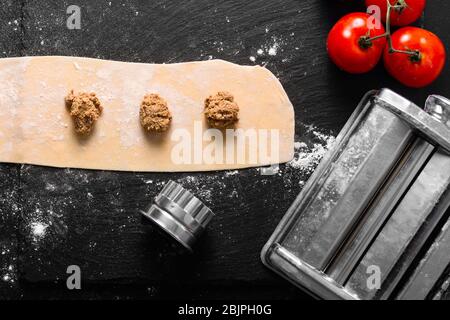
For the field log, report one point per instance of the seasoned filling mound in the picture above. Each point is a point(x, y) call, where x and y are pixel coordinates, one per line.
point(221, 111)
point(154, 114)
point(85, 109)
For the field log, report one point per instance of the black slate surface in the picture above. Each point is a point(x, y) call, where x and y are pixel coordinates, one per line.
point(91, 217)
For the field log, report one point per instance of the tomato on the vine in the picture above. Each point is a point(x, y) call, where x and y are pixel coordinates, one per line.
point(408, 11)
point(347, 43)
point(420, 69)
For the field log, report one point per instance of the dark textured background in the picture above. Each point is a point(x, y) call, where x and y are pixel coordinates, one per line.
point(92, 215)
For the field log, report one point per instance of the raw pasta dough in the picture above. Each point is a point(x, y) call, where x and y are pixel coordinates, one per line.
point(35, 127)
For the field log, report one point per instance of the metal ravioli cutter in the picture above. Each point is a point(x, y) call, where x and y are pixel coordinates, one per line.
point(373, 221)
point(180, 214)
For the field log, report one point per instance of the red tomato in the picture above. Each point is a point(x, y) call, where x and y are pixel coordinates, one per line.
point(413, 72)
point(400, 17)
point(346, 48)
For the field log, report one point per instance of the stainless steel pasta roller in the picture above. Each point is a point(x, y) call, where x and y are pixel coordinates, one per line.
point(180, 214)
point(373, 221)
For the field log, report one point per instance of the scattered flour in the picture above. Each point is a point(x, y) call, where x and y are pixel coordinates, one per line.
point(9, 276)
point(308, 157)
point(273, 49)
point(275, 46)
point(8, 259)
point(231, 173)
point(38, 230)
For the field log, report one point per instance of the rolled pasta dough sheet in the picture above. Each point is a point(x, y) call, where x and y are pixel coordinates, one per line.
point(35, 126)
